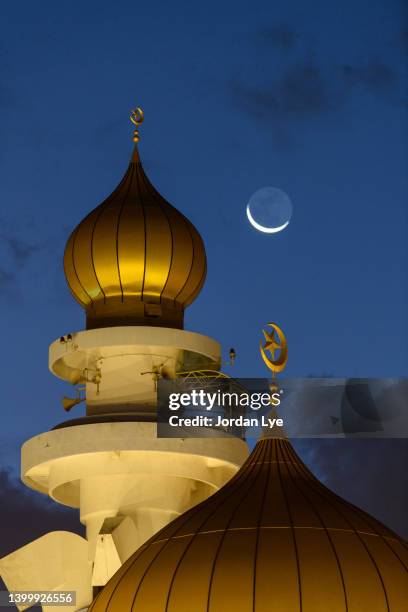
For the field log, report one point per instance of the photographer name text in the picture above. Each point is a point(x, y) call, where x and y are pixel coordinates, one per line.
point(219, 421)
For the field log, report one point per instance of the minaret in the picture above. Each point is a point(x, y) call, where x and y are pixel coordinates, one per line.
point(134, 264)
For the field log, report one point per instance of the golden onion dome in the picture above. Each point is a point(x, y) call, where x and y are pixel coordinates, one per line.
point(135, 259)
point(273, 539)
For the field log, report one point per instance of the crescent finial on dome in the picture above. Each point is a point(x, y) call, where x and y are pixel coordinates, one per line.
point(135, 259)
point(137, 118)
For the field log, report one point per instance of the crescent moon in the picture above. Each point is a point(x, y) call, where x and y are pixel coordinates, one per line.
point(280, 364)
point(262, 228)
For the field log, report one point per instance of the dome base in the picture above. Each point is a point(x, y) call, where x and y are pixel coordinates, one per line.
point(116, 312)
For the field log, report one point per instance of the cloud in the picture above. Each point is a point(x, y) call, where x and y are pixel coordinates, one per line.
point(21, 250)
point(26, 515)
point(15, 254)
point(6, 278)
point(367, 472)
point(301, 92)
point(303, 84)
point(307, 89)
point(375, 76)
point(9, 289)
point(281, 37)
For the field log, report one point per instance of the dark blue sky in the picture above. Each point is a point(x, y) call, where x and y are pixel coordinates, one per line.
point(308, 97)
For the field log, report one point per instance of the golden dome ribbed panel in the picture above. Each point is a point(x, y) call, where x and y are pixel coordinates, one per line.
point(363, 583)
point(234, 572)
point(277, 586)
point(104, 249)
point(310, 552)
point(159, 250)
point(182, 255)
point(198, 269)
point(187, 253)
point(379, 551)
point(77, 290)
point(132, 247)
point(184, 589)
point(135, 259)
point(275, 510)
point(315, 554)
point(82, 253)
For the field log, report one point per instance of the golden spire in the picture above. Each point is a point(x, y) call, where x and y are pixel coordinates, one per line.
point(137, 118)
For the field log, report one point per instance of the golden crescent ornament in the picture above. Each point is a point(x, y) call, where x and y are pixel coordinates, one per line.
point(136, 117)
point(279, 364)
